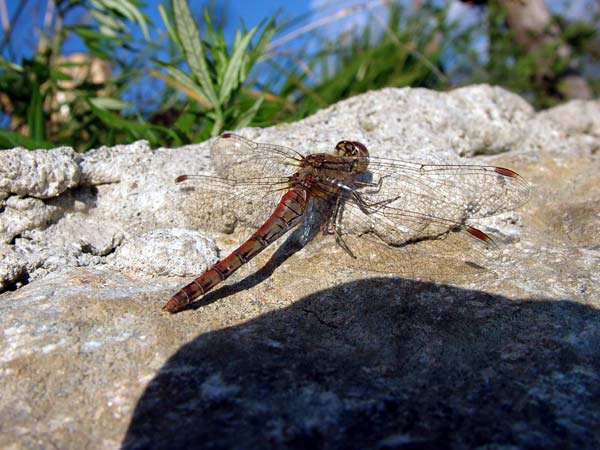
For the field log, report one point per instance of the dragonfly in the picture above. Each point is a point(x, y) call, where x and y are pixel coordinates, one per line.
point(350, 195)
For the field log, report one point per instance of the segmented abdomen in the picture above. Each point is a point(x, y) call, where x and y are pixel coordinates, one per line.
point(287, 214)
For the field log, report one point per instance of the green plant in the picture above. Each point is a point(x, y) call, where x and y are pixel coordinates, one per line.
point(407, 50)
point(217, 73)
point(538, 71)
point(205, 85)
point(53, 98)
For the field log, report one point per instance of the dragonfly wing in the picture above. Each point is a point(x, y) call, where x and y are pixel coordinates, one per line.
point(403, 243)
point(220, 204)
point(236, 157)
point(450, 191)
point(399, 208)
point(443, 260)
point(250, 180)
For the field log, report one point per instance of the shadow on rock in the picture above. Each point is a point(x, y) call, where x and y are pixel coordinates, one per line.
point(384, 363)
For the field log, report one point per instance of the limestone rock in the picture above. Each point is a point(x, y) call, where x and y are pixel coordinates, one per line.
point(187, 253)
point(38, 173)
point(299, 350)
point(20, 215)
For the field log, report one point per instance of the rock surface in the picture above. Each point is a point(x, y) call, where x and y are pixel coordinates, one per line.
point(297, 352)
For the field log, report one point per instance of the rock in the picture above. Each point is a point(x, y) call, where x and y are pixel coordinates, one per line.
point(24, 214)
point(301, 348)
point(12, 267)
point(189, 253)
point(114, 164)
point(38, 173)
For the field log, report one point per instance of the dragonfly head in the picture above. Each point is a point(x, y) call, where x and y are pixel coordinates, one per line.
point(354, 149)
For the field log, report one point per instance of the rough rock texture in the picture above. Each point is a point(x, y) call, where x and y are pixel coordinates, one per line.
point(143, 255)
point(298, 352)
point(38, 174)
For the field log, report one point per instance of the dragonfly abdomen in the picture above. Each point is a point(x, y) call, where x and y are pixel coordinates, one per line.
point(287, 215)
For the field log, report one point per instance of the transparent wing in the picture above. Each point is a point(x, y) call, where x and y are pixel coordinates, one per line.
point(350, 243)
point(250, 180)
point(399, 202)
point(402, 201)
point(235, 158)
point(220, 204)
point(450, 191)
point(453, 257)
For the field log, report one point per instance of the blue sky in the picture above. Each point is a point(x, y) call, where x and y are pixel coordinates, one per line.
point(26, 34)
point(27, 30)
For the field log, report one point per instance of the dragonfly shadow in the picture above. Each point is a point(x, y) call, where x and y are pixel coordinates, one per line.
point(383, 363)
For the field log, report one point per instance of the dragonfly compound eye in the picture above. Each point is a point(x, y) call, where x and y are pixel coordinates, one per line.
point(360, 149)
point(344, 148)
point(351, 148)
point(354, 149)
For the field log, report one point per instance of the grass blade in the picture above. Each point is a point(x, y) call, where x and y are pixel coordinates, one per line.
point(179, 80)
point(189, 36)
point(10, 139)
point(169, 26)
point(248, 115)
point(233, 73)
point(35, 115)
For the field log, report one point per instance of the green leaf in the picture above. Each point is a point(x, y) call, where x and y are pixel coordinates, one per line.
point(35, 115)
point(193, 49)
point(185, 122)
point(138, 17)
point(247, 116)
point(88, 33)
point(233, 73)
point(137, 128)
point(263, 41)
point(170, 30)
point(116, 121)
point(97, 49)
point(181, 77)
point(57, 75)
point(8, 65)
point(108, 103)
point(10, 139)
point(108, 24)
point(218, 123)
point(127, 9)
point(210, 29)
point(218, 47)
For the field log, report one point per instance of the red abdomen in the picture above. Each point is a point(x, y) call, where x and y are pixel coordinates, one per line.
point(287, 215)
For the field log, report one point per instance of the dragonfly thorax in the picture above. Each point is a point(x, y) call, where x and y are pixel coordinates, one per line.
point(315, 182)
point(324, 174)
point(349, 159)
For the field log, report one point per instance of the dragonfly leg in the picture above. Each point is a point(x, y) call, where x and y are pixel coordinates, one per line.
point(332, 228)
point(339, 240)
point(377, 186)
point(329, 225)
point(329, 216)
point(370, 208)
